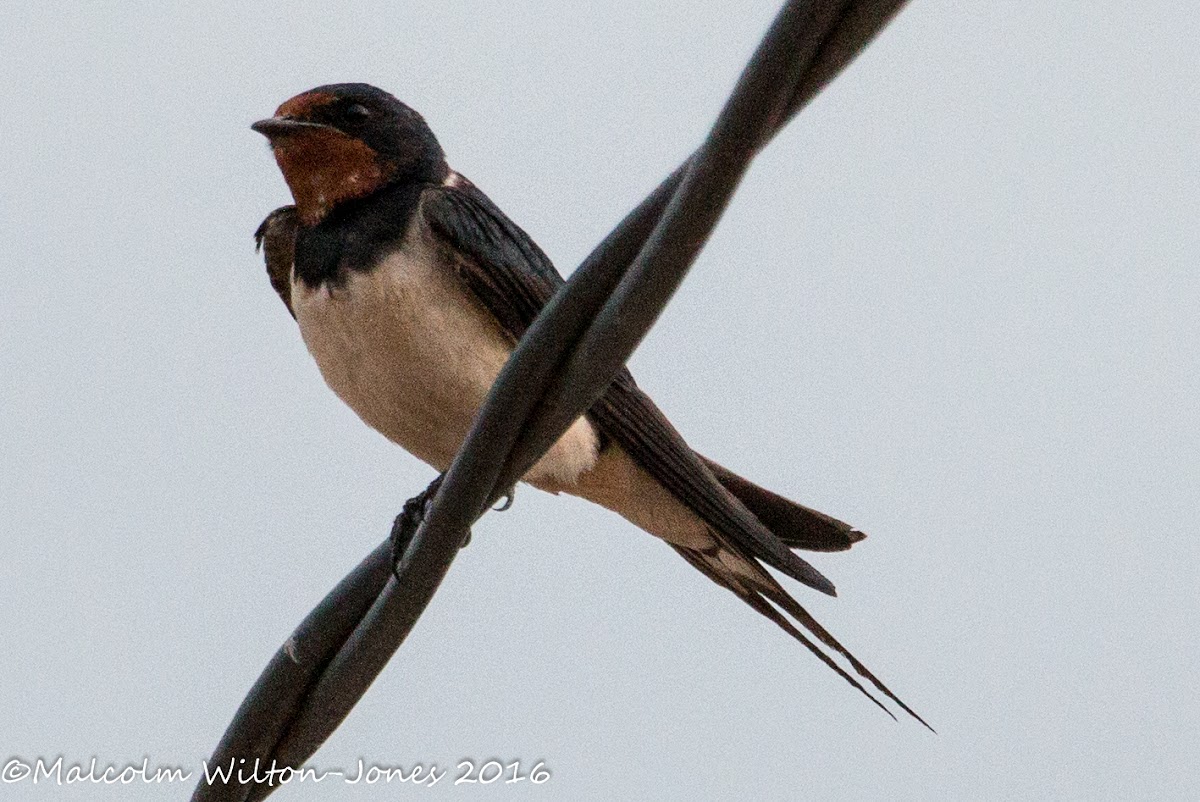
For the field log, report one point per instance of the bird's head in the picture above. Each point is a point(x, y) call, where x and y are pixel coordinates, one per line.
point(339, 142)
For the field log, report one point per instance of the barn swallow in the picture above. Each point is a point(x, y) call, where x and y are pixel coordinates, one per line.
point(411, 289)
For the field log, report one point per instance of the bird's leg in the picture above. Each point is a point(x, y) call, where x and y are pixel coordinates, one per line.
point(409, 520)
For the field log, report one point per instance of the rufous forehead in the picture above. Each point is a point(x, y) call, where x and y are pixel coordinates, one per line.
point(301, 105)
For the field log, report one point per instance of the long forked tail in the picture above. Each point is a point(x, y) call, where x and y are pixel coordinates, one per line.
point(752, 584)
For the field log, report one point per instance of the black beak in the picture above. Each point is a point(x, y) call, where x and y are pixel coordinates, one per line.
point(279, 127)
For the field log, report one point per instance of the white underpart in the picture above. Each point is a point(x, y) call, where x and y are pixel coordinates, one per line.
point(410, 351)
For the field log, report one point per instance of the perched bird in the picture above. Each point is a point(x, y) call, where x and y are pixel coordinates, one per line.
point(411, 289)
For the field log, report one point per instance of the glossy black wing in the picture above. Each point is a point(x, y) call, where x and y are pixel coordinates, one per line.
point(276, 238)
point(514, 279)
point(504, 268)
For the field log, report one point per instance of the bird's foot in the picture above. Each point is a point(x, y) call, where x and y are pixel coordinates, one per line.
point(409, 521)
point(510, 495)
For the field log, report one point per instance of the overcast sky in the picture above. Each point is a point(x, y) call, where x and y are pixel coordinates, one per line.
point(955, 304)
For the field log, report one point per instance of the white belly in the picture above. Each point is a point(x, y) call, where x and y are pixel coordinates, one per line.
point(410, 351)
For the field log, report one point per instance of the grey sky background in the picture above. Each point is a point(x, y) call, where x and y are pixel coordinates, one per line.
point(954, 304)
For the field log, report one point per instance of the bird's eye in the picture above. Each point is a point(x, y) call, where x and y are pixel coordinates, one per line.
point(357, 113)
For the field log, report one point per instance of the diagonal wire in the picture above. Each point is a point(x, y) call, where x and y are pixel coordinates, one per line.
point(562, 364)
